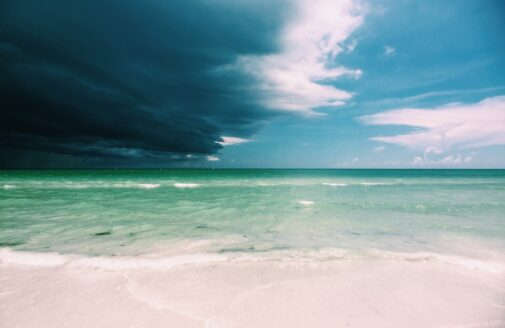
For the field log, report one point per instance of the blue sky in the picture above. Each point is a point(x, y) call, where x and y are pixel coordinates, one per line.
point(412, 54)
point(265, 83)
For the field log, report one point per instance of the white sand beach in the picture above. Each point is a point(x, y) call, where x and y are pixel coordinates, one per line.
point(416, 291)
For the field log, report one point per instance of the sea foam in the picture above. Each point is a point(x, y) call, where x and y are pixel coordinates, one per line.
point(118, 263)
point(148, 185)
point(373, 183)
point(8, 256)
point(186, 185)
point(334, 184)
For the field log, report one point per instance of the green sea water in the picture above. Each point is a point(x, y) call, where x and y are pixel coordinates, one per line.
point(134, 212)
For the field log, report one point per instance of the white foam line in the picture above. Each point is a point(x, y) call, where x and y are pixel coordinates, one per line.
point(90, 186)
point(7, 186)
point(186, 185)
point(108, 263)
point(8, 256)
point(466, 262)
point(334, 184)
point(125, 263)
point(148, 185)
point(306, 202)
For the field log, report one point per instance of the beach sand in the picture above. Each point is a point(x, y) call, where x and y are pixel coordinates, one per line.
point(419, 291)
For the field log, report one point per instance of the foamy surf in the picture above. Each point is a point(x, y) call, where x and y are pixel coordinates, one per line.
point(334, 184)
point(490, 266)
point(109, 263)
point(88, 185)
point(186, 185)
point(159, 262)
point(306, 202)
point(148, 185)
point(8, 256)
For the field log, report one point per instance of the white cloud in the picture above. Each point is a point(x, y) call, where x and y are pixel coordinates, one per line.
point(446, 127)
point(212, 158)
point(450, 160)
point(418, 160)
point(228, 141)
point(355, 159)
point(434, 94)
point(433, 150)
point(291, 80)
point(351, 46)
point(389, 51)
point(379, 149)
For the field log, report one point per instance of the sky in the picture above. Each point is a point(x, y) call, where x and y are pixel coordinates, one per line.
point(252, 84)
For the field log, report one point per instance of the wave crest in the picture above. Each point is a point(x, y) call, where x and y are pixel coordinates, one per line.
point(186, 185)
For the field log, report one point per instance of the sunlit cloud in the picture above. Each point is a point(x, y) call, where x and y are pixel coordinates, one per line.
point(212, 158)
point(229, 141)
point(449, 126)
point(449, 160)
point(296, 79)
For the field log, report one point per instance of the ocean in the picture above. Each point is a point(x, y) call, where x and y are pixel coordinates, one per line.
point(131, 212)
point(411, 224)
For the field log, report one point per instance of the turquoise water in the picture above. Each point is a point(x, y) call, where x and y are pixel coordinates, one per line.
point(132, 212)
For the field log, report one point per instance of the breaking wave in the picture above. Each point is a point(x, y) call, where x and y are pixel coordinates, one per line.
point(118, 263)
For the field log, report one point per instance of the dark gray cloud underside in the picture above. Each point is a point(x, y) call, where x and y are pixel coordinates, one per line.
point(128, 79)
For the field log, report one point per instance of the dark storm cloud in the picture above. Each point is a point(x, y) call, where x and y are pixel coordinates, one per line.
point(128, 79)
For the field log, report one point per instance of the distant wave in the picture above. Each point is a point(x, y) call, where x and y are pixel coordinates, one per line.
point(263, 184)
point(334, 184)
point(8, 186)
point(306, 202)
point(8, 256)
point(84, 186)
point(376, 183)
point(148, 185)
point(117, 263)
point(186, 185)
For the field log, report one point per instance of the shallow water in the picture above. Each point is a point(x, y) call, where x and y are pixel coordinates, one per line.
point(174, 212)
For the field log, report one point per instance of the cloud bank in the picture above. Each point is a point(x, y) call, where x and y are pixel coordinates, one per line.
point(157, 80)
point(132, 80)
